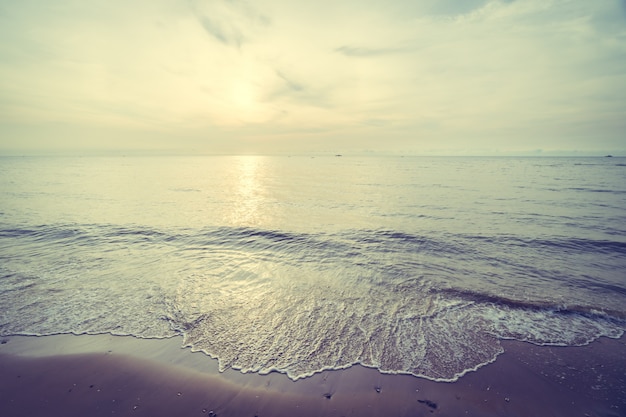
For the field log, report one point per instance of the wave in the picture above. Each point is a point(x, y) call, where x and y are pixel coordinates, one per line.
point(535, 305)
point(379, 240)
point(441, 337)
point(434, 305)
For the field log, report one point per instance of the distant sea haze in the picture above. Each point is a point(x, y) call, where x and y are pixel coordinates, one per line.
point(411, 265)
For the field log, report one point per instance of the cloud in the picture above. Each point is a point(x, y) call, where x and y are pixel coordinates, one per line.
point(291, 85)
point(356, 51)
point(477, 74)
point(228, 20)
point(228, 35)
point(449, 7)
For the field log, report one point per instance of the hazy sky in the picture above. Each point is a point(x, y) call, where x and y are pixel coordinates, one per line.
point(411, 76)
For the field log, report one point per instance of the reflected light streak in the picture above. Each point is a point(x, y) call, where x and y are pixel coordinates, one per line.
point(249, 190)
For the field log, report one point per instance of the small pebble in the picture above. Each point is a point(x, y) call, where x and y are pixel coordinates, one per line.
point(428, 403)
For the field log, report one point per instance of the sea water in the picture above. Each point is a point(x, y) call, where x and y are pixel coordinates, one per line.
point(415, 265)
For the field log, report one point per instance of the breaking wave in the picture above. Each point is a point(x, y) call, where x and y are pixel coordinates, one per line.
point(434, 306)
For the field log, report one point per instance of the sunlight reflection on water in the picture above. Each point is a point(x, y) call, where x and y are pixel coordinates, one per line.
point(248, 181)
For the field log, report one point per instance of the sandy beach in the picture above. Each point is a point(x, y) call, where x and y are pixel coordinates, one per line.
point(107, 375)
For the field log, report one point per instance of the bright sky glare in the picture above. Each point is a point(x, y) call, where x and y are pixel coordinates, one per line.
point(267, 76)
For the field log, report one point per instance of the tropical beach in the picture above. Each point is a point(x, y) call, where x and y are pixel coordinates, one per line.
point(273, 208)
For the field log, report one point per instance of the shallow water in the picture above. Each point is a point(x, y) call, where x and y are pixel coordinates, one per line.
point(298, 264)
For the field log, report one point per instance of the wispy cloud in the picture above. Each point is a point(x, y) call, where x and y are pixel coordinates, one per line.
point(228, 20)
point(447, 7)
point(226, 34)
point(291, 85)
point(294, 96)
point(357, 51)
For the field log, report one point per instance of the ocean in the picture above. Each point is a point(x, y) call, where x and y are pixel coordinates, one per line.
point(410, 265)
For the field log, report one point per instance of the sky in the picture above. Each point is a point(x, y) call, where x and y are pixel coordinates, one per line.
point(340, 76)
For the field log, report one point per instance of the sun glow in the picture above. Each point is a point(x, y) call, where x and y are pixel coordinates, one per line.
point(244, 104)
point(243, 96)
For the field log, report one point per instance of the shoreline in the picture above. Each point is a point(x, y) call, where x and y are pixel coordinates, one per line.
point(122, 375)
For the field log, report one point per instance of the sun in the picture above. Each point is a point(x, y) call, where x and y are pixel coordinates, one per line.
point(243, 96)
point(245, 104)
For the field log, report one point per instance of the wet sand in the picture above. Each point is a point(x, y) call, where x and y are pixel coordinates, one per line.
point(121, 376)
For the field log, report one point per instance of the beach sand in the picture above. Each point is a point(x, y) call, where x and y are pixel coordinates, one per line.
point(103, 375)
